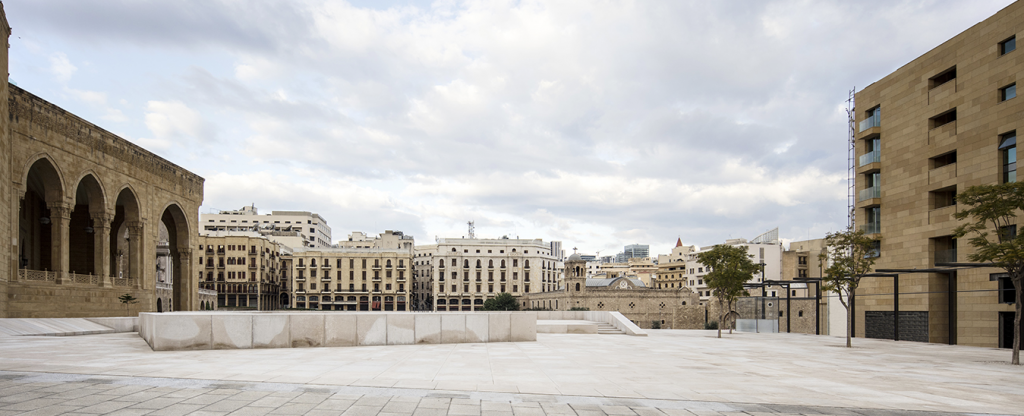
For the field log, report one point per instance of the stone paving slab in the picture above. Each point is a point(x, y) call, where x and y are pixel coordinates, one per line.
point(165, 396)
point(51, 327)
point(770, 373)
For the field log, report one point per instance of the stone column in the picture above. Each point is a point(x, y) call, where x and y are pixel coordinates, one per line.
point(185, 287)
point(135, 253)
point(101, 236)
point(60, 223)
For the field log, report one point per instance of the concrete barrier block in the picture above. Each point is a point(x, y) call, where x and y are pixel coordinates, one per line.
point(523, 326)
point(499, 327)
point(428, 328)
point(546, 315)
point(340, 330)
point(306, 330)
point(401, 329)
point(372, 329)
point(551, 329)
point(476, 328)
point(453, 328)
point(270, 331)
point(182, 332)
point(232, 331)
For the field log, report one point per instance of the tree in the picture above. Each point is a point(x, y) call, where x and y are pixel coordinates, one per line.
point(730, 268)
point(502, 302)
point(850, 255)
point(993, 208)
point(127, 299)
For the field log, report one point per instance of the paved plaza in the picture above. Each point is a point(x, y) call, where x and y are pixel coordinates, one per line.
point(671, 372)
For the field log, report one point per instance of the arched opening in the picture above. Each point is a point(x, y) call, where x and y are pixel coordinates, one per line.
point(40, 219)
point(175, 271)
point(159, 305)
point(284, 301)
point(577, 287)
point(89, 229)
point(126, 238)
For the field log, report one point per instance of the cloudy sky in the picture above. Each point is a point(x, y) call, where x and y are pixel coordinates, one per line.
point(597, 123)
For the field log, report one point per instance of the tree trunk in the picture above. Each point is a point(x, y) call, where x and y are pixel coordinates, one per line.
point(849, 319)
point(1015, 358)
point(720, 317)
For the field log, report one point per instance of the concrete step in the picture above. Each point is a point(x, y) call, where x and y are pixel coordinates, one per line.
point(608, 329)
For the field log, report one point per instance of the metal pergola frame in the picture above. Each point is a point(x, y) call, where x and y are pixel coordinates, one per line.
point(786, 284)
point(948, 269)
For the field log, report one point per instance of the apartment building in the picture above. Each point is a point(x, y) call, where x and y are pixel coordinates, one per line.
point(291, 228)
point(388, 239)
point(244, 268)
point(766, 252)
point(350, 279)
point(671, 273)
point(950, 121)
point(462, 273)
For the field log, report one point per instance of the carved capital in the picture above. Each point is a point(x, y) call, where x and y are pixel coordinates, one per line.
point(60, 210)
point(184, 254)
point(101, 221)
point(134, 227)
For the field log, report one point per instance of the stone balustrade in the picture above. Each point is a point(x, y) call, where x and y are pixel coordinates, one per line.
point(243, 330)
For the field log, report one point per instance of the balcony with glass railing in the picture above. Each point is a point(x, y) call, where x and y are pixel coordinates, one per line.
point(869, 193)
point(872, 228)
point(874, 121)
point(945, 256)
point(868, 158)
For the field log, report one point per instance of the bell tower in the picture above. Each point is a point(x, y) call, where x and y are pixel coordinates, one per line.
point(575, 274)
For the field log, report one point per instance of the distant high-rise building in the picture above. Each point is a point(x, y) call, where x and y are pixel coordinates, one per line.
point(637, 250)
point(292, 228)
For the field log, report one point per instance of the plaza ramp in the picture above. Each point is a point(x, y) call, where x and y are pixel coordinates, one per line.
point(51, 327)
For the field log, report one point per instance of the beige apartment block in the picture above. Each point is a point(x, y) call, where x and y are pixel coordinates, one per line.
point(244, 268)
point(388, 239)
point(462, 273)
point(349, 279)
point(943, 122)
point(87, 215)
point(291, 228)
point(672, 267)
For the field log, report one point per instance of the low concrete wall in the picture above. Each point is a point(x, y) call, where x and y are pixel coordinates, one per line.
point(239, 330)
point(613, 318)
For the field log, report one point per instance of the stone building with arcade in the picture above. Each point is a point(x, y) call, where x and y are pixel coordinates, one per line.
point(86, 216)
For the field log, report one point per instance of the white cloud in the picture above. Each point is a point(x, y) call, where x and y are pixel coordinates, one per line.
point(61, 67)
point(175, 120)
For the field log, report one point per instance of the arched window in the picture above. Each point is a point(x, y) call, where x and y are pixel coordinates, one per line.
point(490, 264)
point(465, 264)
point(389, 263)
point(526, 264)
point(478, 263)
point(577, 287)
point(503, 264)
point(453, 249)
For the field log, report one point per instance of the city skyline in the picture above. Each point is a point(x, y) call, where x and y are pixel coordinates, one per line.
point(595, 125)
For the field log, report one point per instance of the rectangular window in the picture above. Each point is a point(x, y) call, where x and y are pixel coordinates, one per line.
point(1008, 45)
point(943, 160)
point(1008, 155)
point(944, 197)
point(942, 119)
point(1007, 292)
point(942, 78)
point(1008, 92)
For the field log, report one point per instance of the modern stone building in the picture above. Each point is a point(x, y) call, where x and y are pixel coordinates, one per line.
point(950, 121)
point(244, 268)
point(671, 272)
point(349, 279)
point(462, 273)
point(83, 212)
point(291, 228)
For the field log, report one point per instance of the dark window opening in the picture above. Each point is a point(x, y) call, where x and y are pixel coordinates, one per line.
point(944, 197)
point(1008, 92)
point(1008, 156)
point(942, 78)
point(942, 119)
point(943, 160)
